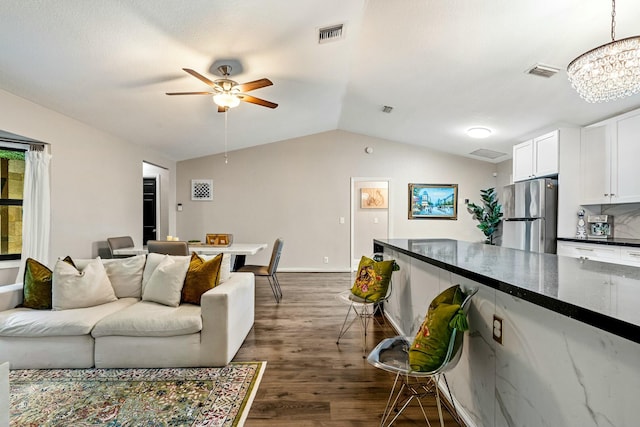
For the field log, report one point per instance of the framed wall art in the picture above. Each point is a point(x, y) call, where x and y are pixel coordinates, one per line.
point(202, 189)
point(374, 198)
point(433, 201)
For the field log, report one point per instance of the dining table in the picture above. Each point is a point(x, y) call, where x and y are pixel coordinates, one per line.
point(238, 250)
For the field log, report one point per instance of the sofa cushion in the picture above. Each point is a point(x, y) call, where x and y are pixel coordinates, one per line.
point(225, 266)
point(201, 276)
point(37, 285)
point(148, 319)
point(125, 274)
point(153, 259)
point(26, 322)
point(77, 289)
point(165, 284)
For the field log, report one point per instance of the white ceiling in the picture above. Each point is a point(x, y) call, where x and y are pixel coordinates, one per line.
point(443, 65)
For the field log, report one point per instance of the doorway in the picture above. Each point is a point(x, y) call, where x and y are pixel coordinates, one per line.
point(370, 207)
point(149, 210)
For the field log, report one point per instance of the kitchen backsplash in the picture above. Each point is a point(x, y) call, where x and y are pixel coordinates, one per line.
point(626, 219)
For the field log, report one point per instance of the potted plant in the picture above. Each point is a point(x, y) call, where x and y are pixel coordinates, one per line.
point(488, 214)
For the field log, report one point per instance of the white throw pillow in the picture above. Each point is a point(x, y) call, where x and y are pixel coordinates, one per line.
point(153, 259)
point(71, 288)
point(125, 274)
point(166, 281)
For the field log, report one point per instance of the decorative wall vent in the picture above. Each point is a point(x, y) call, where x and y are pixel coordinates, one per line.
point(543, 71)
point(332, 33)
point(202, 189)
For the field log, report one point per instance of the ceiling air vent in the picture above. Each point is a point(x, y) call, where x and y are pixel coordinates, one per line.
point(489, 154)
point(543, 71)
point(329, 34)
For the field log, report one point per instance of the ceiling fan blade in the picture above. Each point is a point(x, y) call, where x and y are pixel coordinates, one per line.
point(256, 84)
point(199, 77)
point(254, 100)
point(189, 93)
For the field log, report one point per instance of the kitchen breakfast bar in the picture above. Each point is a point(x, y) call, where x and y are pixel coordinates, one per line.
point(553, 341)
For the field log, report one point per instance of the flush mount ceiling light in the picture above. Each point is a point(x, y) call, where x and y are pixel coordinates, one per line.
point(610, 71)
point(479, 132)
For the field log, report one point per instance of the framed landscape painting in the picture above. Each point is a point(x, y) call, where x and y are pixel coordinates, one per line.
point(433, 201)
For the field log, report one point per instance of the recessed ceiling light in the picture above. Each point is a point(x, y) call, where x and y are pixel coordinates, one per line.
point(479, 132)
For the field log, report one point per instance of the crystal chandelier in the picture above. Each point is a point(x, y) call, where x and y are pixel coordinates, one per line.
point(610, 71)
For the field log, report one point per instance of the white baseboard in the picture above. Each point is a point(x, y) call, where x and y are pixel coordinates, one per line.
point(314, 270)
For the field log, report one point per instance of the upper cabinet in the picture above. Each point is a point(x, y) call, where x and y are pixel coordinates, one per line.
point(609, 153)
point(536, 158)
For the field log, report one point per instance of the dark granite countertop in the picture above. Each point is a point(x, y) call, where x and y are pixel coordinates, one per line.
point(615, 241)
point(600, 294)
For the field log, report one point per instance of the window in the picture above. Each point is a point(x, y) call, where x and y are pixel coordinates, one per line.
point(11, 195)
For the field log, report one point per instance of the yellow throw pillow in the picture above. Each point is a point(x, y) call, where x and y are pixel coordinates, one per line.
point(372, 280)
point(36, 286)
point(431, 343)
point(201, 276)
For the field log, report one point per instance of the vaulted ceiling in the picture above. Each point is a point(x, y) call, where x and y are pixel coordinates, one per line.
point(443, 66)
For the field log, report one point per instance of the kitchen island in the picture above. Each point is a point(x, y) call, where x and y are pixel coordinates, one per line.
point(570, 350)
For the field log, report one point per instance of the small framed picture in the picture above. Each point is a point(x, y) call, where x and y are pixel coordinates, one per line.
point(433, 201)
point(374, 198)
point(202, 189)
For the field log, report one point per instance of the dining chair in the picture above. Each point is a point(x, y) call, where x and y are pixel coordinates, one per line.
point(365, 309)
point(269, 271)
point(392, 355)
point(119, 243)
point(168, 247)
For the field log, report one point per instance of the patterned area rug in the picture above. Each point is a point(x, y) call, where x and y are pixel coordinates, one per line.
point(134, 397)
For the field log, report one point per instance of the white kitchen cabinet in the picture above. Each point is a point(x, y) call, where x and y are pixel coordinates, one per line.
point(597, 252)
point(609, 153)
point(536, 158)
point(627, 177)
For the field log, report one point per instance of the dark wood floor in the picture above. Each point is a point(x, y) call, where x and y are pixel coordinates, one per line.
point(309, 380)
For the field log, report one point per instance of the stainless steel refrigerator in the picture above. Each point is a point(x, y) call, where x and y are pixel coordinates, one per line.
point(530, 215)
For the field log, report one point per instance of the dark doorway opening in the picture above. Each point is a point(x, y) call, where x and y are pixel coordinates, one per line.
point(149, 210)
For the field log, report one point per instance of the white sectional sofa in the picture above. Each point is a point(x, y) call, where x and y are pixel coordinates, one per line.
point(129, 332)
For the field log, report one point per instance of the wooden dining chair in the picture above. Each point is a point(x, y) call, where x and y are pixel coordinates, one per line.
point(119, 243)
point(269, 271)
point(168, 247)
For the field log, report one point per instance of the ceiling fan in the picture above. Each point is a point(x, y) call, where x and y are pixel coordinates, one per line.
point(228, 93)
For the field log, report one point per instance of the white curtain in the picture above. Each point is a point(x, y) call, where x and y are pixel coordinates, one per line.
point(36, 208)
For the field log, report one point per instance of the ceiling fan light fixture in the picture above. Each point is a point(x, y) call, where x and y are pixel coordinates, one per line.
point(226, 100)
point(479, 132)
point(608, 72)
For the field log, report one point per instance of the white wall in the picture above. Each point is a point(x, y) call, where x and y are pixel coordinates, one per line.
point(96, 178)
point(299, 188)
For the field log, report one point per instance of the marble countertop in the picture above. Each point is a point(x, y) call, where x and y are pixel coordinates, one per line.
point(608, 241)
point(600, 294)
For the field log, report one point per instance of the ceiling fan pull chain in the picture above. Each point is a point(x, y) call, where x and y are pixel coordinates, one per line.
point(226, 158)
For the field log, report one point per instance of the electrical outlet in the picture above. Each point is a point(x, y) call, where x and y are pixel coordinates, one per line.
point(497, 329)
point(326, 260)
